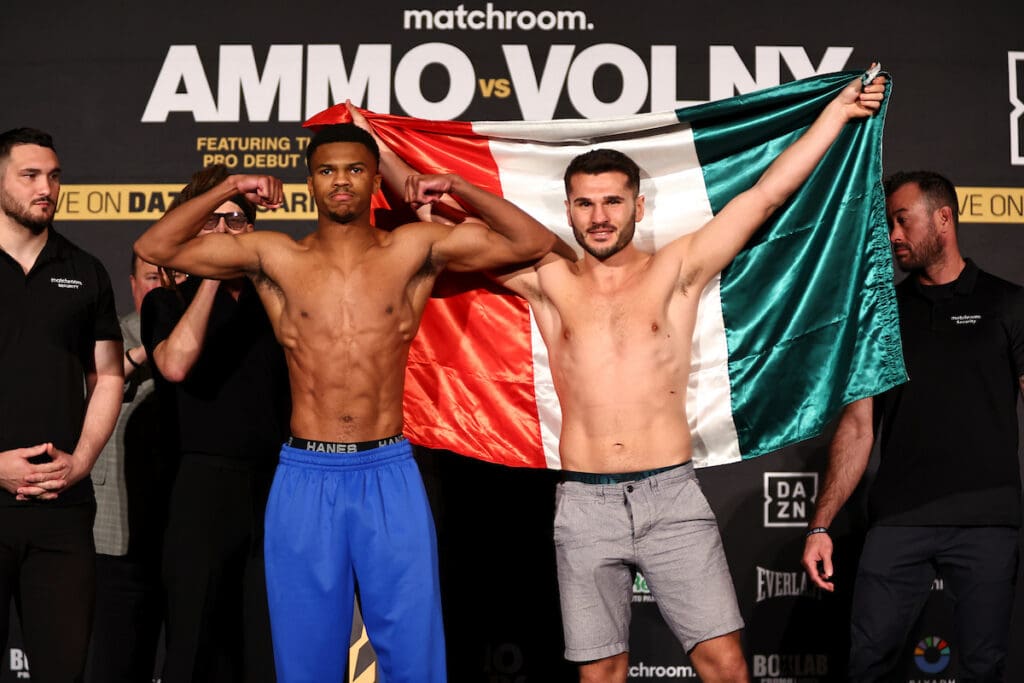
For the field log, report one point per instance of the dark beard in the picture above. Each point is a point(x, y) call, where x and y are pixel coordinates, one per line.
point(605, 253)
point(21, 217)
point(928, 252)
point(625, 237)
point(342, 218)
point(36, 227)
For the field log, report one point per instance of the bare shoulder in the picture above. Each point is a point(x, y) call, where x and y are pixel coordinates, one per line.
point(674, 253)
point(534, 281)
point(553, 267)
point(434, 241)
point(675, 266)
point(271, 240)
point(412, 239)
point(420, 232)
point(275, 251)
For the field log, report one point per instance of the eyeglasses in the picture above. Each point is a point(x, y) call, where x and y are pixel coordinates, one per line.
point(235, 220)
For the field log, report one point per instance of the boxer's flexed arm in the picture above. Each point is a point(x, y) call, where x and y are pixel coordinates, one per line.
point(395, 170)
point(503, 233)
point(170, 241)
point(507, 234)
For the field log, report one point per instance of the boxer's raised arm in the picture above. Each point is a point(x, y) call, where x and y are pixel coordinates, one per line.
point(507, 235)
point(171, 243)
point(707, 251)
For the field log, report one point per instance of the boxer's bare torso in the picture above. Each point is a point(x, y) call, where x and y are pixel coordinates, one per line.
point(618, 324)
point(345, 301)
point(345, 307)
point(618, 335)
point(620, 363)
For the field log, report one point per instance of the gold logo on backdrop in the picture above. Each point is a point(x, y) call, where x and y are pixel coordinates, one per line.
point(991, 204)
point(148, 202)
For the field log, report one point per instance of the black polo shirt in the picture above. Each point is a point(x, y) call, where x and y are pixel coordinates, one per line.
point(949, 435)
point(50, 321)
point(235, 403)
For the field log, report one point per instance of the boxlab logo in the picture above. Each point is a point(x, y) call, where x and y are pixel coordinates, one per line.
point(641, 593)
point(790, 667)
point(931, 655)
point(1015, 64)
point(18, 663)
point(787, 496)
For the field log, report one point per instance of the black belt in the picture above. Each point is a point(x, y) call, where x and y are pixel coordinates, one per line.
point(614, 478)
point(339, 447)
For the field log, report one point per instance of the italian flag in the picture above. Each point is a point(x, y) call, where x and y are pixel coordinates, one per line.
point(801, 323)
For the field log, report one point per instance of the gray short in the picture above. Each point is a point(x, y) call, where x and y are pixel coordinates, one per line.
point(661, 526)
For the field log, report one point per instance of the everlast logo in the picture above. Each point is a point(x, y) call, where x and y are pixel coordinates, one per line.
point(773, 584)
point(787, 497)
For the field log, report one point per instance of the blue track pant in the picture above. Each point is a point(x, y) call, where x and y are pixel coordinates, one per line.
point(334, 520)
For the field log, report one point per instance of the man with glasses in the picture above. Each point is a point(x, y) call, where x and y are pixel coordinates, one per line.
point(221, 373)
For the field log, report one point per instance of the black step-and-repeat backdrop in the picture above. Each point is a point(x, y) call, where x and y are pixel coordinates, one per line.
point(139, 95)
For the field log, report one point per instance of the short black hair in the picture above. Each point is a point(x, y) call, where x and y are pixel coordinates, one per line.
point(205, 180)
point(604, 161)
point(342, 132)
point(23, 136)
point(937, 188)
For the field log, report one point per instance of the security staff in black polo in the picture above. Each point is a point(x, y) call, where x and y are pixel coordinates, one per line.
point(62, 379)
point(947, 496)
point(220, 366)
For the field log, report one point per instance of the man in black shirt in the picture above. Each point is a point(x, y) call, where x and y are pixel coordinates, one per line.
point(60, 359)
point(223, 374)
point(947, 494)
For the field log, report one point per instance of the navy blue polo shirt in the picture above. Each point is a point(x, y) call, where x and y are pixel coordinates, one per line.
point(50, 321)
point(949, 435)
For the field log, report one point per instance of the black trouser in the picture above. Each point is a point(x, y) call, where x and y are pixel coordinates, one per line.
point(978, 566)
point(129, 613)
point(47, 565)
point(218, 626)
